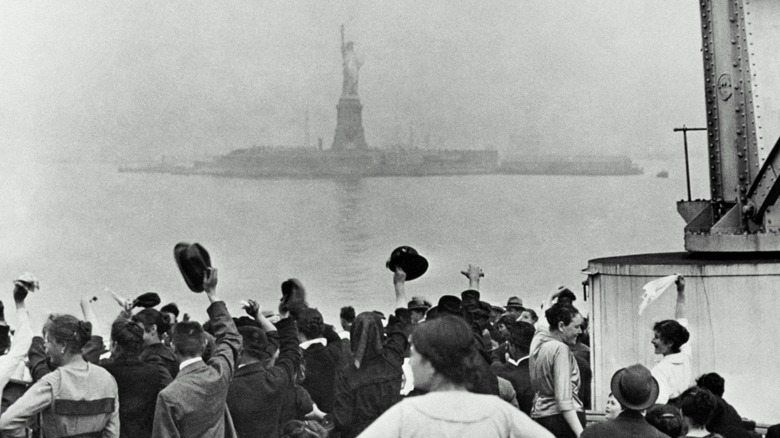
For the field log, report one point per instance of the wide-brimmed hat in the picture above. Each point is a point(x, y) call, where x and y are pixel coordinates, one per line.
point(193, 261)
point(419, 303)
point(514, 303)
point(147, 300)
point(635, 387)
point(407, 258)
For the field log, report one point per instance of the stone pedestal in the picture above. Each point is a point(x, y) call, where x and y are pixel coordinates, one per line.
point(349, 125)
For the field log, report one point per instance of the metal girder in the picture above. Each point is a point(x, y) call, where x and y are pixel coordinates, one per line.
point(766, 187)
point(740, 40)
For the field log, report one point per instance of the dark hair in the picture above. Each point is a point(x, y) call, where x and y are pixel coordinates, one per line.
point(712, 381)
point(560, 313)
point(534, 316)
point(672, 332)
point(447, 342)
point(128, 335)
point(347, 314)
point(507, 320)
point(567, 295)
point(150, 317)
point(255, 343)
point(665, 418)
point(67, 330)
point(188, 339)
point(521, 333)
point(170, 308)
point(310, 323)
point(698, 404)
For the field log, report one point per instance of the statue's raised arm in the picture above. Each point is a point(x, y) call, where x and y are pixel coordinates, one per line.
point(343, 47)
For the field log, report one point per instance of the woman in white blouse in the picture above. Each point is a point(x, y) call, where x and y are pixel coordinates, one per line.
point(670, 339)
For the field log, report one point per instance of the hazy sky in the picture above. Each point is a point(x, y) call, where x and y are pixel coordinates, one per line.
point(135, 79)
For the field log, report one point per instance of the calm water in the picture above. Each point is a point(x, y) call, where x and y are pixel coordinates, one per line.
point(82, 228)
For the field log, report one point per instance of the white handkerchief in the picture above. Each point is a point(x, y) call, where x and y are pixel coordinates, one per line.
point(654, 289)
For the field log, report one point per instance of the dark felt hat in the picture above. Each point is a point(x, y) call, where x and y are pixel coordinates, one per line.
point(470, 295)
point(418, 303)
point(147, 300)
point(407, 258)
point(635, 387)
point(450, 304)
point(193, 261)
point(170, 308)
point(514, 303)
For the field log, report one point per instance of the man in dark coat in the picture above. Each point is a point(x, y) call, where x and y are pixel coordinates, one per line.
point(635, 389)
point(259, 382)
point(515, 368)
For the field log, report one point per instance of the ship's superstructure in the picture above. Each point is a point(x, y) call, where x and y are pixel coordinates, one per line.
point(740, 39)
point(732, 261)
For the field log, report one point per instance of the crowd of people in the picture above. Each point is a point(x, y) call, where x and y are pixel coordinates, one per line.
point(460, 368)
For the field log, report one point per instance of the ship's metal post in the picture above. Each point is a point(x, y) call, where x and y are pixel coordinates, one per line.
point(685, 130)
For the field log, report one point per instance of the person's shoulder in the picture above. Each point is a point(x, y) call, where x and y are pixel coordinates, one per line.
point(604, 428)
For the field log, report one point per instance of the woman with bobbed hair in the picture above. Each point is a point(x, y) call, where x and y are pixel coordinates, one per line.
point(697, 406)
point(77, 398)
point(444, 363)
point(674, 371)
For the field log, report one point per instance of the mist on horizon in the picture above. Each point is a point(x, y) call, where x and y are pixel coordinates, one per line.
point(137, 80)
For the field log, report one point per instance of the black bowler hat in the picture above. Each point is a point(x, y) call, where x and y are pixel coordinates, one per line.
point(635, 387)
point(147, 300)
point(450, 304)
point(407, 258)
point(193, 261)
point(470, 295)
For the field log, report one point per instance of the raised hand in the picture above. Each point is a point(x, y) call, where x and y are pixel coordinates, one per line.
point(474, 272)
point(251, 308)
point(125, 303)
point(399, 276)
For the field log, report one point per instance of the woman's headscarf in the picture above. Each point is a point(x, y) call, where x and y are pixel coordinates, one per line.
point(366, 336)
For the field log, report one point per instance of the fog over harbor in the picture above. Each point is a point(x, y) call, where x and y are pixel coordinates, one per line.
point(134, 80)
point(87, 87)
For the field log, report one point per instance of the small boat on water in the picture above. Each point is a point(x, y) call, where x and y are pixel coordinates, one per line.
point(662, 174)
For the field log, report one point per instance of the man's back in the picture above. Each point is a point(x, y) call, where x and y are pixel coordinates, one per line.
point(628, 424)
point(193, 405)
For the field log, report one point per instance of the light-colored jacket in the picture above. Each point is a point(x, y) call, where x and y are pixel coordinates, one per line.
point(75, 399)
point(555, 376)
point(454, 413)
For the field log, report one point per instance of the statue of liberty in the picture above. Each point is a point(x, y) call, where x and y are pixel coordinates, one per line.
point(351, 66)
